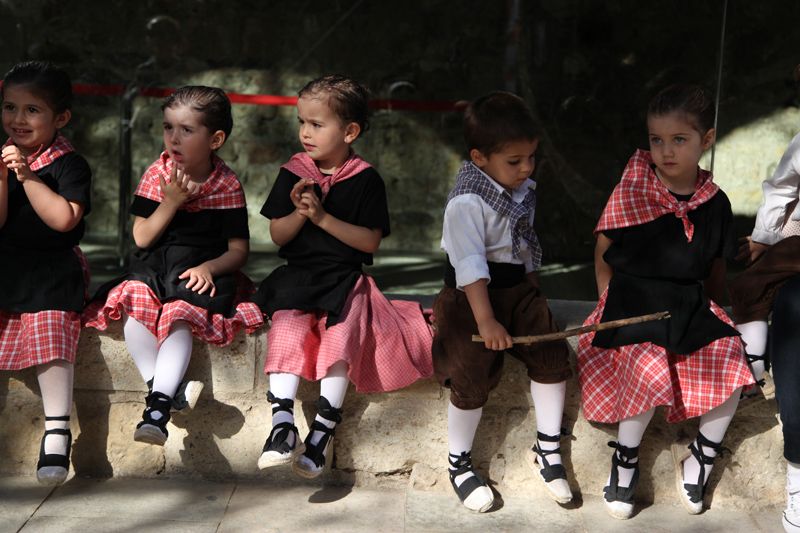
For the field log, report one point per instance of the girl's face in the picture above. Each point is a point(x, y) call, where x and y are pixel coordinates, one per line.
point(29, 120)
point(323, 136)
point(188, 142)
point(676, 146)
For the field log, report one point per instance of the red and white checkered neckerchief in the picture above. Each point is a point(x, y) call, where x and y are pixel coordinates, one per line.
point(640, 197)
point(45, 156)
point(221, 190)
point(303, 166)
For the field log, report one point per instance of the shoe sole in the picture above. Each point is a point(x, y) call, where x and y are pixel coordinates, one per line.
point(149, 435)
point(51, 475)
point(193, 390)
point(768, 390)
point(530, 457)
point(788, 526)
point(270, 459)
point(616, 513)
point(485, 507)
point(301, 471)
point(680, 452)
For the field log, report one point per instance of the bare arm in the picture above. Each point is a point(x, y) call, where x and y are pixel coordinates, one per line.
point(363, 239)
point(283, 230)
point(714, 286)
point(201, 277)
point(3, 194)
point(602, 270)
point(147, 231)
point(56, 211)
point(494, 335)
point(232, 260)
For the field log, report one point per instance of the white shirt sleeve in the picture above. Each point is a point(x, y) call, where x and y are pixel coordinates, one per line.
point(463, 238)
point(780, 190)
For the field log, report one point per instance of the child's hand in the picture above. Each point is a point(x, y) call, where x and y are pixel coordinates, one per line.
point(495, 336)
point(311, 207)
point(750, 250)
point(200, 280)
point(15, 160)
point(3, 171)
point(302, 185)
point(180, 188)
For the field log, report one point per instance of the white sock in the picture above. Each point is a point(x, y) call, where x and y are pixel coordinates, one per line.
point(754, 336)
point(713, 426)
point(332, 387)
point(284, 386)
point(548, 401)
point(630, 433)
point(173, 360)
point(142, 345)
point(792, 476)
point(55, 383)
point(461, 427)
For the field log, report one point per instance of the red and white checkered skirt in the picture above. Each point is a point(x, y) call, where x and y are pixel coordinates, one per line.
point(622, 382)
point(387, 344)
point(137, 300)
point(31, 339)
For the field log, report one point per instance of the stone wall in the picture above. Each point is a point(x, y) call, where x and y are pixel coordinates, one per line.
point(384, 439)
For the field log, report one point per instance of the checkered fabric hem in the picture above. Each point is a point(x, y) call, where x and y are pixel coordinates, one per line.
point(137, 300)
point(622, 382)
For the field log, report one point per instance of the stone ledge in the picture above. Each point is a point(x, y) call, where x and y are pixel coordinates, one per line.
point(384, 440)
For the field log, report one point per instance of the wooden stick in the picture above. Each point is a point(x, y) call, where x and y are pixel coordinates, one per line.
point(532, 339)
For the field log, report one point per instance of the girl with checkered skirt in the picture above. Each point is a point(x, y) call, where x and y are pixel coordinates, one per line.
point(662, 242)
point(45, 189)
point(190, 227)
point(330, 323)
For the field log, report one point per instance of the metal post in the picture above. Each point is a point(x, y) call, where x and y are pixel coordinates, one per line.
point(719, 75)
point(125, 172)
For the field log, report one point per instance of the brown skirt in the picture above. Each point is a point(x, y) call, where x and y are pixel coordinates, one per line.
point(754, 290)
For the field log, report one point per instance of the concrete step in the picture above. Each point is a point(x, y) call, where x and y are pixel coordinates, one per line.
point(385, 441)
point(129, 504)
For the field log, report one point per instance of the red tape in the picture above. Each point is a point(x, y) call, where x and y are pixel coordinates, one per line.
point(441, 106)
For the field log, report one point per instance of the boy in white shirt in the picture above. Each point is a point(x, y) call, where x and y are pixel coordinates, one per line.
point(771, 284)
point(491, 287)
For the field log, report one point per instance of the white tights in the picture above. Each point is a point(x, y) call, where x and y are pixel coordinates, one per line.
point(713, 426)
point(754, 335)
point(165, 364)
point(548, 402)
point(333, 387)
point(55, 383)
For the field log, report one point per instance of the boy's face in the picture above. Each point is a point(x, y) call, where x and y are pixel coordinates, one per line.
point(511, 165)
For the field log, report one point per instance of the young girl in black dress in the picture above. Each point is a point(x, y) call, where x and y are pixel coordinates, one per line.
point(45, 192)
point(328, 213)
point(662, 242)
point(191, 231)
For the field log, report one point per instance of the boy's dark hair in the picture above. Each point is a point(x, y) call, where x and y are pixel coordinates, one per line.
point(348, 99)
point(212, 103)
point(496, 119)
point(45, 80)
point(692, 100)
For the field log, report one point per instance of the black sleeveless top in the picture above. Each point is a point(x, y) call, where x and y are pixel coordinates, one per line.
point(38, 268)
point(656, 269)
point(190, 239)
point(321, 270)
